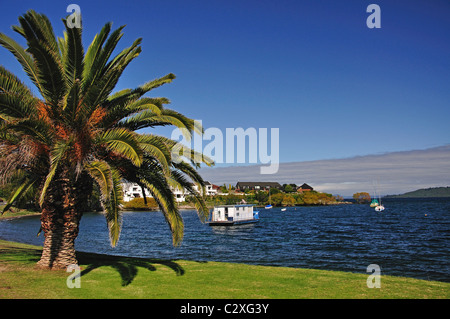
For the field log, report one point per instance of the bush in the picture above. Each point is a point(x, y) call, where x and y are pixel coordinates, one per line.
point(288, 200)
point(315, 198)
point(362, 197)
point(139, 204)
point(262, 197)
point(277, 199)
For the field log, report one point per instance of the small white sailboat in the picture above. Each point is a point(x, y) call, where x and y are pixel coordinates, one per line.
point(269, 206)
point(283, 209)
point(378, 207)
point(374, 203)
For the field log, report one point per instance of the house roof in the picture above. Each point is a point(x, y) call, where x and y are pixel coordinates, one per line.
point(305, 186)
point(261, 184)
point(195, 184)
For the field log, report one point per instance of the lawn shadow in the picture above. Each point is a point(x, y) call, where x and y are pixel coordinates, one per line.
point(127, 267)
point(20, 254)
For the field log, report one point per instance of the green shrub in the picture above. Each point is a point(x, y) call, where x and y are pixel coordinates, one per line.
point(139, 204)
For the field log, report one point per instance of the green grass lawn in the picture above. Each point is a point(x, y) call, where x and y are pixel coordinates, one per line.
point(104, 276)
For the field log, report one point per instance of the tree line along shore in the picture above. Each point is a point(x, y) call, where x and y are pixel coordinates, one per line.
point(260, 199)
point(286, 197)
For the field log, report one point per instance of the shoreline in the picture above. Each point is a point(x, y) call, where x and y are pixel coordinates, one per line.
point(189, 207)
point(23, 214)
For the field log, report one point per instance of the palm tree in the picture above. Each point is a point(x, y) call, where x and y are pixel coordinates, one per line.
point(78, 134)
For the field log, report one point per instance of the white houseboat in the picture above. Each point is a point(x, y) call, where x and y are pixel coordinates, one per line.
point(228, 215)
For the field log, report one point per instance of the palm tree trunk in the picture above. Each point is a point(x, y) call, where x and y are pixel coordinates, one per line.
point(60, 231)
point(60, 220)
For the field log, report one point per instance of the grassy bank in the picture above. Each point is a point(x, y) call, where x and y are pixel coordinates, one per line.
point(122, 277)
point(18, 213)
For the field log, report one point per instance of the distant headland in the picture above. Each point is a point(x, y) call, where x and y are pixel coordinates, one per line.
point(425, 192)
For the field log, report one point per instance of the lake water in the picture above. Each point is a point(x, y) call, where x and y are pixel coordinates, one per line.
point(410, 238)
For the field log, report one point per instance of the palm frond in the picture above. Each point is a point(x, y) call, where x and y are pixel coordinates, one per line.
point(73, 55)
point(101, 89)
point(153, 104)
point(98, 55)
point(72, 103)
point(180, 182)
point(9, 83)
point(43, 47)
point(35, 25)
point(97, 93)
point(181, 153)
point(190, 171)
point(62, 46)
point(117, 60)
point(119, 111)
point(92, 54)
point(109, 182)
point(157, 185)
point(147, 87)
point(24, 58)
point(35, 129)
point(23, 189)
point(15, 105)
point(123, 142)
point(127, 96)
point(100, 171)
point(111, 207)
point(56, 156)
point(154, 147)
point(148, 118)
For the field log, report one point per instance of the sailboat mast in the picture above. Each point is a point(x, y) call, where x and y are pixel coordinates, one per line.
point(270, 201)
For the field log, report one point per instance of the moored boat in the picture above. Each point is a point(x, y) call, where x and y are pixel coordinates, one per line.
point(229, 215)
point(374, 203)
point(377, 202)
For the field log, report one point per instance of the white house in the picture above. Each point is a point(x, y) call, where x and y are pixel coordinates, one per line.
point(133, 190)
point(180, 194)
point(210, 189)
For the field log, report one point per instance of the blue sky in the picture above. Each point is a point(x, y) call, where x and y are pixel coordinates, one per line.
point(313, 69)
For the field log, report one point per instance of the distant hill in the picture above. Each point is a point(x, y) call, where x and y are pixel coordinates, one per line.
point(425, 192)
